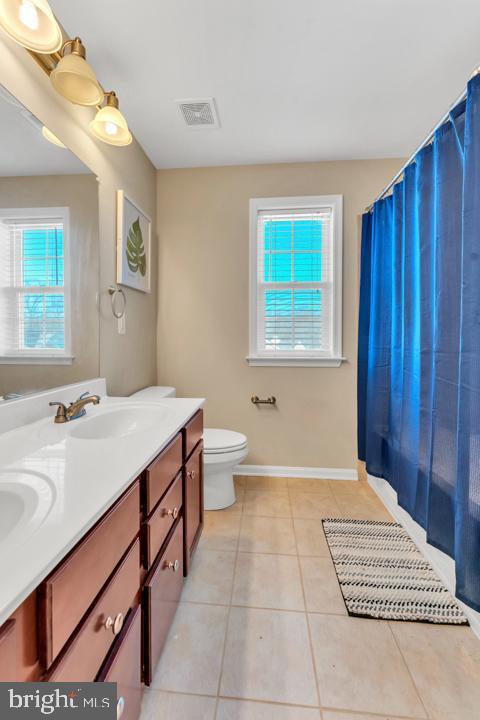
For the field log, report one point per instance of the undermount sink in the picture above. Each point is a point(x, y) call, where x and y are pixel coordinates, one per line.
point(118, 422)
point(26, 498)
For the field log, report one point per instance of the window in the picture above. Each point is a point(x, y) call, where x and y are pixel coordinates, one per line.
point(296, 281)
point(34, 286)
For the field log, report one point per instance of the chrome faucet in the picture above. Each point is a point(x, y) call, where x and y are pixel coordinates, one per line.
point(75, 409)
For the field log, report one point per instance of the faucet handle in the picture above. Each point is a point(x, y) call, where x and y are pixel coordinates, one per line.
point(61, 415)
point(83, 395)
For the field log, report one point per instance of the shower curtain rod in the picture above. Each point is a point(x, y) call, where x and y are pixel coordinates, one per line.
point(422, 144)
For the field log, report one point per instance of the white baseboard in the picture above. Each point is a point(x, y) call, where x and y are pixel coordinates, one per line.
point(314, 473)
point(443, 565)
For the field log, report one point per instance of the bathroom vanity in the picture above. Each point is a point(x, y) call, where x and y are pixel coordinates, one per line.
point(103, 609)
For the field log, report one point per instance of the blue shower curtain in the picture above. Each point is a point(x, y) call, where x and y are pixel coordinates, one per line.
point(419, 341)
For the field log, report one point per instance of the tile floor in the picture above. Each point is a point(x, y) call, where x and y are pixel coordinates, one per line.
point(262, 632)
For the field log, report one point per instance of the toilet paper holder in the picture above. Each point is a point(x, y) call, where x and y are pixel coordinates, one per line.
point(272, 400)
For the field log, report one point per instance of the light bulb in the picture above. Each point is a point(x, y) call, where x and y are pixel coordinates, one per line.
point(28, 15)
point(111, 128)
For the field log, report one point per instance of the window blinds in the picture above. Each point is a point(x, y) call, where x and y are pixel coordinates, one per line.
point(294, 282)
point(32, 286)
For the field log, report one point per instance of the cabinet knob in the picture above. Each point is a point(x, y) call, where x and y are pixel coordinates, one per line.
point(115, 624)
point(173, 513)
point(191, 474)
point(173, 565)
point(120, 707)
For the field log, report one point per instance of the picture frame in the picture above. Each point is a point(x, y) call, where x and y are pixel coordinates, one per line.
point(134, 231)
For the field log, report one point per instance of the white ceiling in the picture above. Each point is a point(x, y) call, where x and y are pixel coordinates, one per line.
point(24, 150)
point(294, 80)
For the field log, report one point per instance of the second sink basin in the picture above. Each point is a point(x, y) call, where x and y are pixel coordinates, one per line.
point(118, 422)
point(26, 498)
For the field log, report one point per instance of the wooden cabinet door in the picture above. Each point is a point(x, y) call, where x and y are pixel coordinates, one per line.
point(161, 595)
point(193, 503)
point(8, 652)
point(123, 666)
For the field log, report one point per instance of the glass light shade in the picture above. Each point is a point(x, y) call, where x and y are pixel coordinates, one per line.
point(31, 23)
point(75, 79)
point(111, 127)
point(51, 137)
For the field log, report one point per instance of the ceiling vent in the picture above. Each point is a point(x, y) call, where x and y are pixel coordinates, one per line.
point(199, 113)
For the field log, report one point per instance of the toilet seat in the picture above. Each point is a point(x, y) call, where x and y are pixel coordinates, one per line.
point(217, 441)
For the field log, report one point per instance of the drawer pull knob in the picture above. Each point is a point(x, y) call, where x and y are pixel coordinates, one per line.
point(115, 624)
point(120, 707)
point(191, 474)
point(173, 565)
point(173, 513)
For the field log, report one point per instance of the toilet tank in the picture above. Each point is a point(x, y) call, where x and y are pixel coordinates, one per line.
point(154, 392)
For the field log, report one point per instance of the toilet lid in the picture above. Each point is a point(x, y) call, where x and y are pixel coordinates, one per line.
point(216, 440)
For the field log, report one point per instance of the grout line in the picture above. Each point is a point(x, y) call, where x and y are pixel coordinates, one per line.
point(353, 713)
point(312, 655)
point(361, 714)
point(408, 668)
point(227, 624)
point(262, 607)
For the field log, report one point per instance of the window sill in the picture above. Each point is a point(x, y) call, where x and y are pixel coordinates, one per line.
point(296, 362)
point(36, 359)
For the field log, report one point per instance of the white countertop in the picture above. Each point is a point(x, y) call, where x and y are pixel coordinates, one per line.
point(77, 480)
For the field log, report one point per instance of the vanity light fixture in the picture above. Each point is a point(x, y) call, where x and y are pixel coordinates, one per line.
point(109, 125)
point(74, 78)
point(51, 137)
point(31, 23)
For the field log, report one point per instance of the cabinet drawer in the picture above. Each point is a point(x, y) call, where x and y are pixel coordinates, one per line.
point(67, 594)
point(88, 649)
point(8, 652)
point(159, 525)
point(123, 666)
point(192, 433)
point(160, 473)
point(161, 595)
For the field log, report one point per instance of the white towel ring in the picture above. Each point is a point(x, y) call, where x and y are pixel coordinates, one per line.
point(114, 293)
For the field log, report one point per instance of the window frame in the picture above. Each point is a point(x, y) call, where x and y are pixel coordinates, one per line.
point(47, 356)
point(297, 358)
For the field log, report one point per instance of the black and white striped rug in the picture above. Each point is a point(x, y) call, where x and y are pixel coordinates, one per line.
point(382, 574)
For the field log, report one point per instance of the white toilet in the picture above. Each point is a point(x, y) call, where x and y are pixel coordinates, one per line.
point(223, 450)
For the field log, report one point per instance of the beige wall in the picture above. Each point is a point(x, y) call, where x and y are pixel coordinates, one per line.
point(127, 361)
point(202, 220)
point(80, 194)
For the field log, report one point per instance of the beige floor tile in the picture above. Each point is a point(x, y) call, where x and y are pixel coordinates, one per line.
point(237, 506)
point(267, 657)
point(210, 578)
point(322, 591)
point(267, 535)
point(313, 505)
point(158, 705)
point(266, 503)
point(445, 664)
point(359, 507)
point(248, 710)
point(192, 656)
point(268, 581)
point(258, 482)
point(307, 485)
point(310, 537)
point(360, 668)
point(220, 531)
point(339, 715)
point(349, 487)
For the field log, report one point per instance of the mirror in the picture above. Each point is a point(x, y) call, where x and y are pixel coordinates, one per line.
point(49, 258)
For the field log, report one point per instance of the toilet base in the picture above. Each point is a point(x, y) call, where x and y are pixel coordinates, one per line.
point(219, 489)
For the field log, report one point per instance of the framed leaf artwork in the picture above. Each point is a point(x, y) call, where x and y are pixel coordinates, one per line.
point(134, 229)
